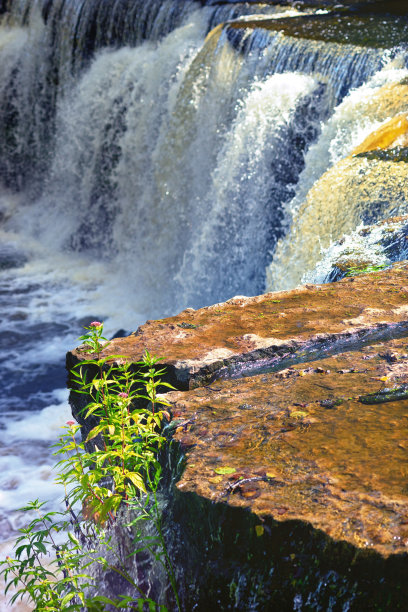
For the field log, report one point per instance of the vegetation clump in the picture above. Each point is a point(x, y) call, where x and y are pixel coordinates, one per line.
point(121, 469)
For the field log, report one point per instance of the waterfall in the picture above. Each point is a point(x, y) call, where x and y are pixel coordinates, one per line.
point(121, 176)
point(318, 214)
point(159, 154)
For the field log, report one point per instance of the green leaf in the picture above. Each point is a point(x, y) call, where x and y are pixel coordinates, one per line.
point(225, 470)
point(95, 431)
point(73, 539)
point(137, 480)
point(66, 599)
point(92, 407)
point(40, 546)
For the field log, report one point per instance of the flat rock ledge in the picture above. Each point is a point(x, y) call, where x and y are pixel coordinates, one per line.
point(291, 427)
point(248, 333)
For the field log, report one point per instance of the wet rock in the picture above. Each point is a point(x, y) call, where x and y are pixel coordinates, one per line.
point(244, 335)
point(386, 395)
point(298, 505)
point(391, 134)
point(364, 29)
point(333, 444)
point(288, 484)
point(331, 403)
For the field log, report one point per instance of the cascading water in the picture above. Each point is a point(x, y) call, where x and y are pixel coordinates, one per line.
point(153, 159)
point(311, 228)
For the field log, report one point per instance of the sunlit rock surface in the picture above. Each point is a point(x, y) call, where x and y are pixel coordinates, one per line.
point(391, 134)
point(290, 430)
point(245, 333)
point(299, 444)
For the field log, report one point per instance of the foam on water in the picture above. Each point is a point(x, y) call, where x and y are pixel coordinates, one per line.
point(242, 199)
point(48, 292)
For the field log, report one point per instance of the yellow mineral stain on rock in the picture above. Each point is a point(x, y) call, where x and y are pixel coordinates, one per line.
point(393, 133)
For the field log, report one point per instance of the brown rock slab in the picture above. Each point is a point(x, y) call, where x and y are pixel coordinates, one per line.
point(292, 482)
point(273, 329)
point(300, 445)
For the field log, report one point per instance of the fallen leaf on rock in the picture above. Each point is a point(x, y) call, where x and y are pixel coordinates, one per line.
point(225, 470)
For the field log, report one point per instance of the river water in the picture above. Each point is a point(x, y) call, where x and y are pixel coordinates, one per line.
point(151, 160)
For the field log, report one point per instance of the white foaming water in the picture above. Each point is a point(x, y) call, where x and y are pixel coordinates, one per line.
point(54, 291)
point(50, 297)
point(105, 193)
point(377, 245)
point(131, 181)
point(243, 179)
point(23, 477)
point(352, 121)
point(44, 304)
point(350, 124)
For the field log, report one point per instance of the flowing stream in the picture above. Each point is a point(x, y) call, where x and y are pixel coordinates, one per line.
point(151, 159)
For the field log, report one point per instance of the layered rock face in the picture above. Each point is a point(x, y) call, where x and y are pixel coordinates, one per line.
point(290, 440)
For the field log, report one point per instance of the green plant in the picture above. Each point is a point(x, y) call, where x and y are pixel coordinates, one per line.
point(116, 465)
point(356, 271)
